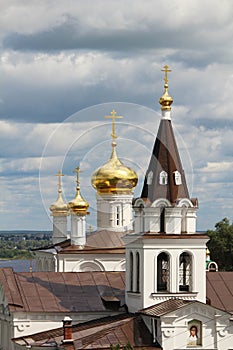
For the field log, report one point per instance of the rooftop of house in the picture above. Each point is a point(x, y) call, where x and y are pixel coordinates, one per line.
point(62, 291)
point(96, 334)
point(89, 291)
point(98, 242)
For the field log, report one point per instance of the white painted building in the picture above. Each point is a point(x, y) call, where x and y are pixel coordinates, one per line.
point(164, 257)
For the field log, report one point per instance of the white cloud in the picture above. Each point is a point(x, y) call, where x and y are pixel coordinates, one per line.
point(58, 57)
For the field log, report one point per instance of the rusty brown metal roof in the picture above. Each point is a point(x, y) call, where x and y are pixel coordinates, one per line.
point(220, 290)
point(98, 242)
point(165, 307)
point(60, 291)
point(106, 239)
point(165, 157)
point(98, 334)
point(74, 249)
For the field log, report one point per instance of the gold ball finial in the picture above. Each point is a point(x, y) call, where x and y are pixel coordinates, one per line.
point(166, 100)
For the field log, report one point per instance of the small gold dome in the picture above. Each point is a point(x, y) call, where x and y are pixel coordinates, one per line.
point(59, 207)
point(166, 100)
point(114, 176)
point(78, 205)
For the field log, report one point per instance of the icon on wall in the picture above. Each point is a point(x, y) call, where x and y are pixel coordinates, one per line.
point(194, 333)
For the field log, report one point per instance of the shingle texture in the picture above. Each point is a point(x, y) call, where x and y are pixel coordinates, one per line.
point(165, 157)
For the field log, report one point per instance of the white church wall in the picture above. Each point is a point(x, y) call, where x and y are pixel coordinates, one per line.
point(149, 251)
point(214, 330)
point(96, 262)
point(23, 324)
point(173, 218)
point(114, 212)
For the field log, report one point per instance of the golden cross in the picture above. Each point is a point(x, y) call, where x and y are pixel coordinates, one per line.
point(77, 171)
point(113, 116)
point(166, 70)
point(59, 174)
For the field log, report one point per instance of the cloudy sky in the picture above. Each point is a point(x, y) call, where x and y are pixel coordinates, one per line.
point(66, 64)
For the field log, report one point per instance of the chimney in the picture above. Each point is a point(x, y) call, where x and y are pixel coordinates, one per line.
point(67, 330)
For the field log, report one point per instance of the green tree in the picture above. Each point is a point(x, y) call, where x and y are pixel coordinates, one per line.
point(221, 244)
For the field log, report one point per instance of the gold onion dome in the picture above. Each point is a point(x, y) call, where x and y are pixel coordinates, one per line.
point(78, 205)
point(114, 176)
point(166, 100)
point(59, 207)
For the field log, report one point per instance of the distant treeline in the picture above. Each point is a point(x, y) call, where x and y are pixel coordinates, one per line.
point(18, 244)
point(22, 232)
point(24, 235)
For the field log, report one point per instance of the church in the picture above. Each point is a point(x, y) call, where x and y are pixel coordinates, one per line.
point(139, 280)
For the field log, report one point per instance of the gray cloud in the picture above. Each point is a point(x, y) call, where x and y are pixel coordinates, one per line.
point(60, 57)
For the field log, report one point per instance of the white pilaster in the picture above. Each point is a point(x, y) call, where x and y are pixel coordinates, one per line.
point(152, 219)
point(173, 220)
point(78, 229)
point(59, 228)
point(191, 218)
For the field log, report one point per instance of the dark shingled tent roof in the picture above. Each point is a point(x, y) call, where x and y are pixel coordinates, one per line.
point(165, 157)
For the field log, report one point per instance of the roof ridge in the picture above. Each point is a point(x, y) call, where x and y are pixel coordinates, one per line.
point(15, 281)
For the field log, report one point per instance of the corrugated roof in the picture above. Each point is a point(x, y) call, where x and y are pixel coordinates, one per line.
point(220, 290)
point(61, 291)
point(165, 307)
point(99, 334)
point(165, 157)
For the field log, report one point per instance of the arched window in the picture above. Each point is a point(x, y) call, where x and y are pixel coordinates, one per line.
point(150, 178)
point(163, 178)
point(185, 272)
point(177, 177)
point(137, 272)
point(131, 271)
point(213, 267)
point(163, 272)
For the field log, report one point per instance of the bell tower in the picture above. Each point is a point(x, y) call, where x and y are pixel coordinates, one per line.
point(165, 257)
